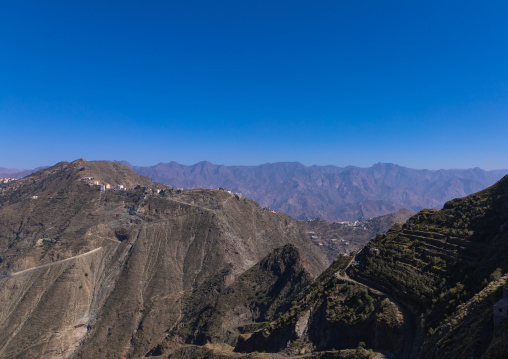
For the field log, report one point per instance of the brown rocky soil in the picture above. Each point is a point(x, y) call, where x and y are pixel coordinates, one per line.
point(89, 274)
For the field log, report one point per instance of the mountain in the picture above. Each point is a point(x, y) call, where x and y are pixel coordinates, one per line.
point(425, 289)
point(86, 273)
point(149, 271)
point(15, 173)
point(329, 192)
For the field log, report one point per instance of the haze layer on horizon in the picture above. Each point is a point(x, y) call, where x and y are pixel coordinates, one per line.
point(421, 84)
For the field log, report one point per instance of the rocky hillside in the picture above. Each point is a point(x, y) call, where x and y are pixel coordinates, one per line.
point(218, 312)
point(329, 192)
point(92, 274)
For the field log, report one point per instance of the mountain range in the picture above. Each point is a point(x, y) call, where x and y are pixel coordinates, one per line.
point(329, 192)
point(97, 261)
point(17, 173)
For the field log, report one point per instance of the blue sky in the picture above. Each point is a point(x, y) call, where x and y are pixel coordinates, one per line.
point(423, 84)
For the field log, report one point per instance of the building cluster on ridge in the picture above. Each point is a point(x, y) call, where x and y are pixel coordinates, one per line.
point(102, 186)
point(11, 182)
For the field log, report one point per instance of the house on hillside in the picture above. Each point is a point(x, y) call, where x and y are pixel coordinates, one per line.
point(501, 307)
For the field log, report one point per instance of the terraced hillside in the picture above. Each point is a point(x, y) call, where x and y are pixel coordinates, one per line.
point(333, 314)
point(425, 289)
point(438, 261)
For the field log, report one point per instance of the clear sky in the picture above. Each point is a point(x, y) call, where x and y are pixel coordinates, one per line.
point(423, 84)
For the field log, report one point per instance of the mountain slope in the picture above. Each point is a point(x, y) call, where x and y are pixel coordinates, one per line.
point(90, 274)
point(329, 192)
point(431, 282)
point(217, 312)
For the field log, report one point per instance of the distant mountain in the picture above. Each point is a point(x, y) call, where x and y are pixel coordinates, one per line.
point(16, 173)
point(329, 192)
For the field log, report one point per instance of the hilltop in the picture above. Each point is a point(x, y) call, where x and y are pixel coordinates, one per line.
point(332, 193)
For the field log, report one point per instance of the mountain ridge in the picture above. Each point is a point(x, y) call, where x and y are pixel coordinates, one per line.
point(148, 270)
point(329, 192)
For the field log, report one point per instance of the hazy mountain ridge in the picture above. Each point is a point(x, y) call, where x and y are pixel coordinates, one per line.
point(16, 173)
point(329, 192)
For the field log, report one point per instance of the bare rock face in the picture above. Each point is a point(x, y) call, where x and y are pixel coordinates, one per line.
point(87, 273)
